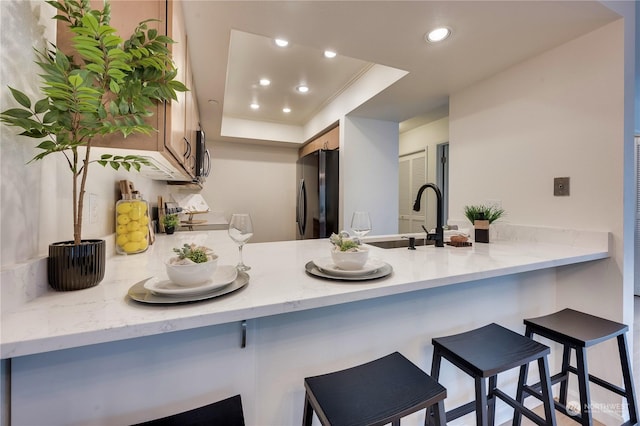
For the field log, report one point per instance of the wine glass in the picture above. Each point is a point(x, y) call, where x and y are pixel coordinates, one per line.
point(240, 231)
point(361, 223)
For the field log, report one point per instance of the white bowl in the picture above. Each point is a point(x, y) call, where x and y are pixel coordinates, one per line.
point(350, 260)
point(192, 274)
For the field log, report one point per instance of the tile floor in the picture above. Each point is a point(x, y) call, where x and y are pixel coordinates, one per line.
point(566, 421)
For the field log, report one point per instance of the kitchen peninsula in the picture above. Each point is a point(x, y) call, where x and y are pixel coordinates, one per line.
point(96, 357)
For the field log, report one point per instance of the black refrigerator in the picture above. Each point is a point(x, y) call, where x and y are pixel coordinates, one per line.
point(317, 194)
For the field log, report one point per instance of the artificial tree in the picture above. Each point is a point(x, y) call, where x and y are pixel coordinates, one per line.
point(106, 85)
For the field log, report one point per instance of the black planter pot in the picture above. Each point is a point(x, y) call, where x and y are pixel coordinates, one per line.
point(169, 229)
point(74, 267)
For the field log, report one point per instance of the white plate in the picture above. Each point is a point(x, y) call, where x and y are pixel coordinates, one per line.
point(327, 266)
point(313, 270)
point(138, 293)
point(224, 275)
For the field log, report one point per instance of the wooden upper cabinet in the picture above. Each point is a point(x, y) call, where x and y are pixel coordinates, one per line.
point(177, 140)
point(169, 120)
point(328, 140)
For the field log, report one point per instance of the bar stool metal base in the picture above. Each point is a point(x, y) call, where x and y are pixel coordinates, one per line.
point(484, 353)
point(376, 393)
point(577, 331)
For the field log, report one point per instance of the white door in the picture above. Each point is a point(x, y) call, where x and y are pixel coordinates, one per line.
point(413, 174)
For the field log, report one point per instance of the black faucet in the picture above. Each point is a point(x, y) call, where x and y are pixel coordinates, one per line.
point(439, 235)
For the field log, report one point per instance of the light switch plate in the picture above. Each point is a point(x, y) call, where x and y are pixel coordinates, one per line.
point(561, 186)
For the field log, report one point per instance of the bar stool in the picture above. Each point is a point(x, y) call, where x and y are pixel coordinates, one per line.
point(578, 331)
point(484, 353)
point(376, 393)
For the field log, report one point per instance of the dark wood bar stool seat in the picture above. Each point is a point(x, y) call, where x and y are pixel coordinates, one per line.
point(578, 331)
point(376, 393)
point(227, 412)
point(484, 353)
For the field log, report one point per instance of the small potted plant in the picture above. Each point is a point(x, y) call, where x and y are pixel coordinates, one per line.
point(481, 216)
point(170, 222)
point(347, 252)
point(108, 86)
point(192, 265)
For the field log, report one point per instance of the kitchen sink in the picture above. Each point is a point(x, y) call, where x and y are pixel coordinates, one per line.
point(404, 242)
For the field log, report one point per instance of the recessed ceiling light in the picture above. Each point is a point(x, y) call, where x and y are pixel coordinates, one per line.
point(286, 110)
point(282, 42)
point(255, 106)
point(302, 88)
point(438, 34)
point(329, 54)
point(265, 82)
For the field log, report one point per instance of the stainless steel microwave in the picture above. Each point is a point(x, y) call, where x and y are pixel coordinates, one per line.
point(203, 157)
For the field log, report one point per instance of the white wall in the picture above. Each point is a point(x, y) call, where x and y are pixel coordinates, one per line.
point(559, 114)
point(369, 172)
point(427, 136)
point(258, 180)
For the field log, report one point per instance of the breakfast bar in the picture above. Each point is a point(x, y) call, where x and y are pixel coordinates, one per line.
point(96, 356)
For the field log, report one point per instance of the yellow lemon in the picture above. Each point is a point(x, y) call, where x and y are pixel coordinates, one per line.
point(123, 219)
point(121, 229)
point(143, 244)
point(134, 225)
point(131, 246)
point(139, 205)
point(122, 240)
point(135, 236)
point(144, 220)
point(123, 208)
point(136, 212)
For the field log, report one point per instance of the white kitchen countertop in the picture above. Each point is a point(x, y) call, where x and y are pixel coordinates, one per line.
point(36, 319)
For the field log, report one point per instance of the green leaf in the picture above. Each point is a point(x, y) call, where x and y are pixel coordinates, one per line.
point(91, 55)
point(120, 65)
point(102, 112)
point(105, 156)
point(91, 22)
point(75, 80)
point(56, 5)
point(61, 60)
point(50, 117)
point(34, 133)
point(177, 86)
point(124, 108)
point(116, 73)
point(164, 39)
point(152, 33)
point(47, 145)
point(115, 88)
point(17, 113)
point(62, 18)
point(102, 163)
point(20, 97)
point(42, 105)
point(114, 165)
point(96, 68)
point(106, 30)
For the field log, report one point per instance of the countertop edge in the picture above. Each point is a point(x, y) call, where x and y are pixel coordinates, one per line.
point(52, 343)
